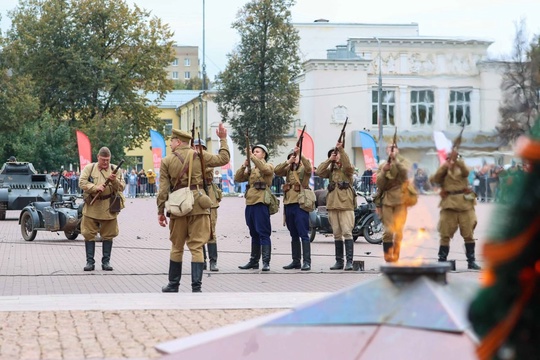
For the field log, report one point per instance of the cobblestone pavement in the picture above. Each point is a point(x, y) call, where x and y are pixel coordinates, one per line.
point(52, 266)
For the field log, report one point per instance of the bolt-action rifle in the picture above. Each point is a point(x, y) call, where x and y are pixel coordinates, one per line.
point(341, 139)
point(107, 182)
point(193, 134)
point(203, 165)
point(247, 152)
point(295, 166)
point(455, 145)
point(394, 143)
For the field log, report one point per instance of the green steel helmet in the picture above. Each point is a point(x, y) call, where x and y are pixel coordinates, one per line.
point(264, 148)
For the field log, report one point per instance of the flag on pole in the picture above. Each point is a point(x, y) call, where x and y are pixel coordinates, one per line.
point(85, 149)
point(442, 144)
point(159, 150)
point(369, 149)
point(308, 151)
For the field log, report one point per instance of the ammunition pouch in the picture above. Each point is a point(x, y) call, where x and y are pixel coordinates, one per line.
point(343, 185)
point(286, 187)
point(259, 185)
point(331, 186)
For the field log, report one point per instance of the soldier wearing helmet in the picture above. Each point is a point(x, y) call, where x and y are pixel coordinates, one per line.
point(257, 212)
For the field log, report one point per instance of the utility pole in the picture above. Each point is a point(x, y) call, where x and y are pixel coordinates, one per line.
point(203, 49)
point(379, 106)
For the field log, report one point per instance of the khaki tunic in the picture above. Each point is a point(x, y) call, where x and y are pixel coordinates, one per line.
point(339, 199)
point(389, 183)
point(457, 210)
point(260, 171)
point(303, 173)
point(171, 167)
point(100, 209)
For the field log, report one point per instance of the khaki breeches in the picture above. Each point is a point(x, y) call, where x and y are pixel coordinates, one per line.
point(193, 231)
point(342, 223)
point(213, 222)
point(393, 218)
point(449, 222)
point(90, 227)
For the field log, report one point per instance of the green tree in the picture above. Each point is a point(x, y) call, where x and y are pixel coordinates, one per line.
point(520, 87)
point(256, 89)
point(93, 63)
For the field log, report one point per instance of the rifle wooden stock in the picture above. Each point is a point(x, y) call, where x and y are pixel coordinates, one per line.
point(107, 182)
point(192, 143)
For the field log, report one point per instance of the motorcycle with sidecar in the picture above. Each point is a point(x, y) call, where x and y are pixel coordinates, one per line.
point(366, 221)
point(62, 213)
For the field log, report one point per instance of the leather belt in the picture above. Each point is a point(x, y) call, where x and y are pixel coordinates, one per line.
point(456, 192)
point(104, 197)
point(192, 187)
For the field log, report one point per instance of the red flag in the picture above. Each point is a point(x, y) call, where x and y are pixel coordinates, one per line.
point(85, 149)
point(156, 158)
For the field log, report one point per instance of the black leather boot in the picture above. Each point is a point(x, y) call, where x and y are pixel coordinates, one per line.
point(196, 276)
point(444, 250)
point(266, 251)
point(105, 260)
point(471, 261)
point(90, 251)
point(388, 249)
point(296, 255)
point(254, 258)
point(212, 255)
point(205, 257)
point(306, 253)
point(349, 253)
point(339, 255)
point(175, 273)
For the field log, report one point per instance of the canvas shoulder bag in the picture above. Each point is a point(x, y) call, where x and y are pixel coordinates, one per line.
point(306, 197)
point(180, 202)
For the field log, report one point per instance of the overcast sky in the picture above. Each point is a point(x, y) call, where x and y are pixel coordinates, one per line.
point(484, 19)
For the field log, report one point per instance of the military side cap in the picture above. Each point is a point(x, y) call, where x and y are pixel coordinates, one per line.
point(181, 134)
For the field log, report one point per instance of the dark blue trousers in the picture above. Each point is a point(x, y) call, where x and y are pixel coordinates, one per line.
point(297, 221)
point(258, 222)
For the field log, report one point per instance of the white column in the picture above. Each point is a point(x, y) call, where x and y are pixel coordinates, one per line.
point(441, 109)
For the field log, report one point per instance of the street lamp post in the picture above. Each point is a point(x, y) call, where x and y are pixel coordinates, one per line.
point(379, 105)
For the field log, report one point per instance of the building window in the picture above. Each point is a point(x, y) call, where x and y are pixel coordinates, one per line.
point(187, 75)
point(187, 62)
point(175, 62)
point(387, 108)
point(136, 162)
point(459, 107)
point(422, 105)
point(175, 74)
point(167, 127)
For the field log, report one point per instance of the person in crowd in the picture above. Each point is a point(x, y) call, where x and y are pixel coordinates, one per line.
point(420, 180)
point(391, 207)
point(297, 172)
point(215, 195)
point(192, 229)
point(100, 182)
point(143, 183)
point(151, 176)
point(457, 208)
point(259, 177)
point(133, 179)
point(367, 180)
point(340, 203)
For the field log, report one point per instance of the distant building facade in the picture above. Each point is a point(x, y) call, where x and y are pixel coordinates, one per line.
point(185, 65)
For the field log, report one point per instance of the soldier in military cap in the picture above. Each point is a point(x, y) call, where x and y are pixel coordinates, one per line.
point(257, 213)
point(340, 203)
point(297, 172)
point(98, 217)
point(193, 229)
point(457, 208)
point(12, 159)
point(215, 194)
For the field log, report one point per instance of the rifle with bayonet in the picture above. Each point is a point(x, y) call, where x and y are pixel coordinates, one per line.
point(341, 140)
point(248, 147)
point(394, 142)
point(106, 183)
point(295, 166)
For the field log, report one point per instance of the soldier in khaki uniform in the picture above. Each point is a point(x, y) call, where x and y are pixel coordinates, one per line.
point(194, 228)
point(457, 208)
point(215, 195)
point(297, 175)
point(340, 203)
point(257, 213)
point(389, 199)
point(97, 218)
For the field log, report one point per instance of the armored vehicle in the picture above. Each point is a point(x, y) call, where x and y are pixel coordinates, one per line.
point(20, 184)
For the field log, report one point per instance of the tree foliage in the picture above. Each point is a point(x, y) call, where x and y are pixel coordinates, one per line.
point(521, 87)
point(92, 64)
point(256, 91)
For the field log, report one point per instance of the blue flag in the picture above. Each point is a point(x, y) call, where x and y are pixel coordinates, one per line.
point(158, 142)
